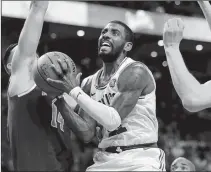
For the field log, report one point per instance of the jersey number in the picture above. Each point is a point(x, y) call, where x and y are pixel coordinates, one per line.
point(57, 117)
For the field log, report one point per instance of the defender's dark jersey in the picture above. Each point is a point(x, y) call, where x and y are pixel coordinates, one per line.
point(35, 144)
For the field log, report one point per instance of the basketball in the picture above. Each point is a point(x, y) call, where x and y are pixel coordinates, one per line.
point(42, 70)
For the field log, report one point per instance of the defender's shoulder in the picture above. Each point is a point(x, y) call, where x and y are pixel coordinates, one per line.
point(135, 76)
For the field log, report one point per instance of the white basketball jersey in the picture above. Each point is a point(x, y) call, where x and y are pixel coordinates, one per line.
point(141, 124)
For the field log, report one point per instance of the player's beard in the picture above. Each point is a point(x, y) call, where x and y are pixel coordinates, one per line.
point(112, 56)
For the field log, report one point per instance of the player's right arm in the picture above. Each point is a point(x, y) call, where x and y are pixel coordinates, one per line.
point(81, 124)
point(194, 96)
point(206, 8)
point(30, 35)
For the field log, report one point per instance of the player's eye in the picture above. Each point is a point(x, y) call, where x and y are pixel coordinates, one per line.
point(103, 32)
point(115, 33)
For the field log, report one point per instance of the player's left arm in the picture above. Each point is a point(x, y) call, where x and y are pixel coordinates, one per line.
point(28, 41)
point(194, 95)
point(206, 8)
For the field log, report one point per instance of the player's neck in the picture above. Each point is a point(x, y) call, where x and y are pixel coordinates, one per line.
point(111, 68)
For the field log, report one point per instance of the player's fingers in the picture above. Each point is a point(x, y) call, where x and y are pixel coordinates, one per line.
point(164, 27)
point(63, 65)
point(69, 65)
point(180, 24)
point(54, 82)
point(56, 70)
point(168, 23)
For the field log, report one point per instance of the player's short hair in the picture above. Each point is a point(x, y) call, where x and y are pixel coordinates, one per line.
point(191, 165)
point(128, 31)
point(7, 53)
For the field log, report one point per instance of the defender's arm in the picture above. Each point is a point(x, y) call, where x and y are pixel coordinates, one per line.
point(206, 8)
point(82, 125)
point(30, 36)
point(194, 96)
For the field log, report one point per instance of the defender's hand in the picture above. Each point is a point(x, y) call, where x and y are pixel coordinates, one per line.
point(173, 32)
point(68, 80)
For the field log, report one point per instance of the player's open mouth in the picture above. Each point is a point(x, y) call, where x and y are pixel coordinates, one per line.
point(105, 44)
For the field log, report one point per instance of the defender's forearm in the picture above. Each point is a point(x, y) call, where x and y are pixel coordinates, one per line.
point(76, 123)
point(31, 32)
point(206, 8)
point(184, 82)
point(76, 148)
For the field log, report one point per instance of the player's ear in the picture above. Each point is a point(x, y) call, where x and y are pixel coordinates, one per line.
point(128, 46)
point(9, 66)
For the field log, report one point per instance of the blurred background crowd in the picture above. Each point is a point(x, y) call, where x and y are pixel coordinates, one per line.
point(180, 133)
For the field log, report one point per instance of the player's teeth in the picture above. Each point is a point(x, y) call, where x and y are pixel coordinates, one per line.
point(105, 44)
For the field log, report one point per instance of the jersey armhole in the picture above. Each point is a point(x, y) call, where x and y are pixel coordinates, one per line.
point(27, 92)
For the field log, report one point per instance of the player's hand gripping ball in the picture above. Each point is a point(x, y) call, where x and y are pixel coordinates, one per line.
point(54, 73)
point(173, 32)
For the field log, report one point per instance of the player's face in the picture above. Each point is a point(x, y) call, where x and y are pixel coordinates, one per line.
point(111, 42)
point(181, 166)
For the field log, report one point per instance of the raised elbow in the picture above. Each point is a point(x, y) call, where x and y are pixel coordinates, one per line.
point(190, 104)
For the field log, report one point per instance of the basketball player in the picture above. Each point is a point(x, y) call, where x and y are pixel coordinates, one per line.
point(182, 164)
point(36, 143)
point(120, 97)
point(194, 96)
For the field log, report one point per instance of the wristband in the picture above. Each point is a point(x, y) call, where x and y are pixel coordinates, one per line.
point(75, 92)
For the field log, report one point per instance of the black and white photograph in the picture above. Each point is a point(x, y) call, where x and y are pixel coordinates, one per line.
point(105, 86)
